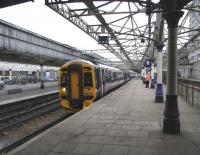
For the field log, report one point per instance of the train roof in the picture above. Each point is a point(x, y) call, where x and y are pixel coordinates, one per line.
point(109, 67)
point(77, 62)
point(89, 63)
point(129, 71)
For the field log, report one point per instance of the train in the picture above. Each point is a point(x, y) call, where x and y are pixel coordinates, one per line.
point(82, 82)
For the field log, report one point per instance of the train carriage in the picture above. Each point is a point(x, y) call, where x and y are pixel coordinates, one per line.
point(81, 82)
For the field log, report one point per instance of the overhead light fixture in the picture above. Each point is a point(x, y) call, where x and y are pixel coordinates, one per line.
point(142, 40)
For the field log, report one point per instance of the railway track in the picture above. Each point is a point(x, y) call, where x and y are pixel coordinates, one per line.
point(30, 111)
point(12, 108)
point(22, 116)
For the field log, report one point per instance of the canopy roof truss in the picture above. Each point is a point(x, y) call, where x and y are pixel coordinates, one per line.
point(6, 3)
point(129, 25)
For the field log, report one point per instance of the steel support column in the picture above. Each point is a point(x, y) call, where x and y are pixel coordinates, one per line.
point(159, 87)
point(172, 14)
point(171, 122)
point(159, 46)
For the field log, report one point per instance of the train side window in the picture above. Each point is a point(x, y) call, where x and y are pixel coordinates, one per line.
point(103, 76)
point(64, 79)
point(88, 79)
point(97, 77)
point(115, 76)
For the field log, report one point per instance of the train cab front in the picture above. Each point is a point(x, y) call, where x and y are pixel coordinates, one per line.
point(89, 85)
point(77, 86)
point(64, 89)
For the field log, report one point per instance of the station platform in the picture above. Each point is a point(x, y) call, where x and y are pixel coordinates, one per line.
point(28, 91)
point(125, 122)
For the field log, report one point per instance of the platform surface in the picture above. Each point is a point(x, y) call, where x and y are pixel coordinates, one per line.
point(28, 91)
point(125, 122)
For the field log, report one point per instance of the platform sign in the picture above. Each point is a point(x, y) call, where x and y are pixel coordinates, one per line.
point(103, 40)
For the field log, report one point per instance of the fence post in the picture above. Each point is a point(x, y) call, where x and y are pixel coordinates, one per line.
point(192, 94)
point(178, 81)
point(198, 97)
point(181, 88)
point(186, 91)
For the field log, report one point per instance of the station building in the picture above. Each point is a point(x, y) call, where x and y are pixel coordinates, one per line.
point(190, 61)
point(30, 73)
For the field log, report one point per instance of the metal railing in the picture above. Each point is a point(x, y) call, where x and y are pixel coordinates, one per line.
point(190, 90)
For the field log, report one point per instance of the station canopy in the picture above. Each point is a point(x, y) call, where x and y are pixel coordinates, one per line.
point(6, 3)
point(127, 26)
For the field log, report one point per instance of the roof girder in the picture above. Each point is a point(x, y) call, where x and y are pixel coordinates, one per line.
point(66, 12)
point(103, 22)
point(6, 3)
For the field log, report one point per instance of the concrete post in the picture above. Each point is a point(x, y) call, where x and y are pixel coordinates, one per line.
point(41, 77)
point(171, 122)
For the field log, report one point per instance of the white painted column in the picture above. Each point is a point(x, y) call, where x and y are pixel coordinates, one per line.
point(152, 76)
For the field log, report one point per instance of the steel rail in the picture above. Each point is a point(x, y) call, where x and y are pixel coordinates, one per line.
point(33, 134)
point(10, 108)
point(24, 116)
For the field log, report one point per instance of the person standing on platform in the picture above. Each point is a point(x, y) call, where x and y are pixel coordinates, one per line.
point(148, 78)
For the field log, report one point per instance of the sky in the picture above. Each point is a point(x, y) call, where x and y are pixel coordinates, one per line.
point(40, 19)
point(37, 17)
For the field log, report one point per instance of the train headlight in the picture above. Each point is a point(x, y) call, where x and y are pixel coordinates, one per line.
point(64, 89)
point(87, 89)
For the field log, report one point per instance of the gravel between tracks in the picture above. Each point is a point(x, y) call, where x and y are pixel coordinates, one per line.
point(12, 135)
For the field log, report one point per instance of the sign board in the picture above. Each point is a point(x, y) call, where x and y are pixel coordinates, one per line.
point(103, 40)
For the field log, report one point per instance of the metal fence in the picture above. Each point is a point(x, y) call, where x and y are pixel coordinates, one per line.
point(190, 91)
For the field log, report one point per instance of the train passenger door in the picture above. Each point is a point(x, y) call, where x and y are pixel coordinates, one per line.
point(104, 81)
point(74, 85)
point(101, 81)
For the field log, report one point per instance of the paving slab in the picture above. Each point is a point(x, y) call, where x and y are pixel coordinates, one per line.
point(125, 122)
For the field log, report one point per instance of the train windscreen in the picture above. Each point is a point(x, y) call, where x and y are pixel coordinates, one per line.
point(64, 79)
point(88, 79)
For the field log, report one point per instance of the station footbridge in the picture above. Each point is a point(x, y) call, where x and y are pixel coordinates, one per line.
point(23, 46)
